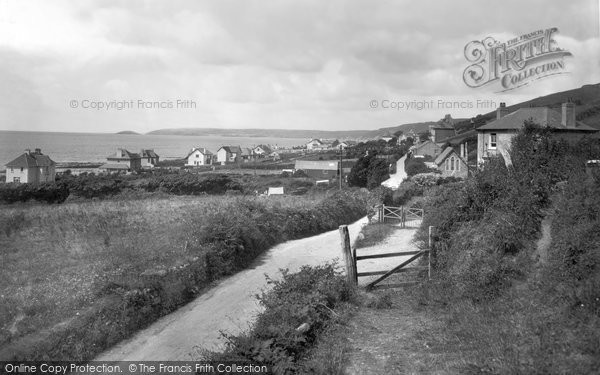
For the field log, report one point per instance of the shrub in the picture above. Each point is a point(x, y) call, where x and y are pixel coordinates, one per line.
point(306, 298)
point(413, 166)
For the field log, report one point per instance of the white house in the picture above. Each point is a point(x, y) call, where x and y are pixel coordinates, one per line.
point(199, 156)
point(494, 138)
point(229, 154)
point(31, 167)
point(314, 144)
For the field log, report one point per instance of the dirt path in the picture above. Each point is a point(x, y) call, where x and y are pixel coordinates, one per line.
point(391, 340)
point(229, 307)
point(396, 179)
point(399, 240)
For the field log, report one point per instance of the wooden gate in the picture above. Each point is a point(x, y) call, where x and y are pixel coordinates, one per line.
point(351, 260)
point(407, 217)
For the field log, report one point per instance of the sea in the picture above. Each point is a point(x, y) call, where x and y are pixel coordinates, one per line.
point(95, 147)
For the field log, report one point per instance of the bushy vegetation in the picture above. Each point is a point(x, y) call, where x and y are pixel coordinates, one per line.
point(529, 312)
point(369, 171)
point(417, 185)
point(413, 166)
point(298, 307)
point(158, 182)
point(91, 273)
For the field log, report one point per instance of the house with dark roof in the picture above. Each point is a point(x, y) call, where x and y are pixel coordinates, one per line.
point(442, 130)
point(122, 161)
point(31, 167)
point(149, 158)
point(229, 154)
point(453, 164)
point(247, 155)
point(427, 148)
point(262, 150)
point(494, 138)
point(323, 169)
point(199, 156)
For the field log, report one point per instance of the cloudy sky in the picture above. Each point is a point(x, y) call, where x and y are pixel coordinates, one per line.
point(265, 64)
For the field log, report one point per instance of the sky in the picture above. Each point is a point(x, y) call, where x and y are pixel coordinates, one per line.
point(107, 66)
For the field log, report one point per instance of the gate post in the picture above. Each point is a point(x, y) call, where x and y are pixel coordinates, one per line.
point(430, 240)
point(349, 260)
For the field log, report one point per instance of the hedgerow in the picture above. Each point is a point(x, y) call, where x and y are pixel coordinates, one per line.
point(303, 299)
point(483, 224)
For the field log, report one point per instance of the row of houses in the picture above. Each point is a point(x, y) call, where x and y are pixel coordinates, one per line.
point(494, 138)
point(327, 145)
point(200, 156)
point(35, 167)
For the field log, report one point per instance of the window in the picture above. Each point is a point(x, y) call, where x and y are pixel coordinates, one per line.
point(17, 179)
point(447, 164)
point(21, 169)
point(11, 169)
point(493, 140)
point(452, 163)
point(458, 164)
point(197, 155)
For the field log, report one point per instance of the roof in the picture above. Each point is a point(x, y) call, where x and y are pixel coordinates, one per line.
point(202, 150)
point(231, 149)
point(148, 154)
point(126, 155)
point(444, 155)
point(265, 148)
point(459, 138)
point(246, 151)
point(28, 160)
point(329, 165)
point(114, 166)
point(543, 116)
point(422, 144)
point(315, 140)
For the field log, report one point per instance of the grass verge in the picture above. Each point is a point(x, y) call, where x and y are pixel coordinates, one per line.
point(80, 277)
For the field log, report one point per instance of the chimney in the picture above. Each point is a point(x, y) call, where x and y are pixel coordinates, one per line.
point(501, 111)
point(466, 151)
point(119, 153)
point(568, 114)
point(28, 151)
point(38, 151)
point(462, 150)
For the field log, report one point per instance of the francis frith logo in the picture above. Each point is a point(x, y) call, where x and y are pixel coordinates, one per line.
point(516, 62)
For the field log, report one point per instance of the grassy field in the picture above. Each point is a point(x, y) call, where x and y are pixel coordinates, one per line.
point(78, 277)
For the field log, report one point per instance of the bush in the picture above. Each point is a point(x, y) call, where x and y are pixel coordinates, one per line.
point(45, 192)
point(306, 298)
point(484, 224)
point(413, 166)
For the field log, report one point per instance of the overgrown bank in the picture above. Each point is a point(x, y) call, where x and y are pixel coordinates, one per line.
point(522, 312)
point(83, 276)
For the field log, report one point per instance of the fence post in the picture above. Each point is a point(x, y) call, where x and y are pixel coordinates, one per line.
point(430, 238)
point(348, 256)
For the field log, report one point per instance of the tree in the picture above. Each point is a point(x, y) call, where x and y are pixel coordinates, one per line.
point(369, 172)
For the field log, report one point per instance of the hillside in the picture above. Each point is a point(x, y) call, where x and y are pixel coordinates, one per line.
point(129, 132)
point(586, 99)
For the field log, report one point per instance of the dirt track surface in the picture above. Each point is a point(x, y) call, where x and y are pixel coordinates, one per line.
point(229, 307)
point(398, 241)
point(396, 179)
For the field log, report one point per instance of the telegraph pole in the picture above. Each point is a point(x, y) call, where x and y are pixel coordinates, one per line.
point(341, 166)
